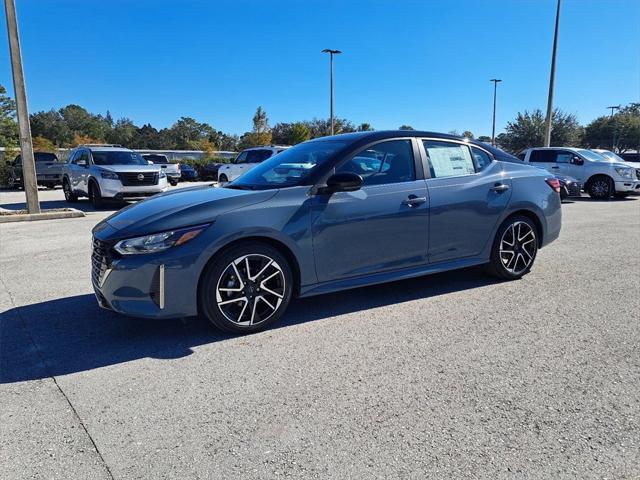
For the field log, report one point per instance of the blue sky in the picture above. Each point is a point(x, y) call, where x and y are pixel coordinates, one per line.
point(423, 63)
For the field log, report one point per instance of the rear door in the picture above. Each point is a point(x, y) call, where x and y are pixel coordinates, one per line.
point(467, 194)
point(544, 159)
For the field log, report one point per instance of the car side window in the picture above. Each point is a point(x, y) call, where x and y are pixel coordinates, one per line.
point(564, 157)
point(383, 163)
point(543, 156)
point(481, 159)
point(448, 159)
point(82, 155)
point(241, 158)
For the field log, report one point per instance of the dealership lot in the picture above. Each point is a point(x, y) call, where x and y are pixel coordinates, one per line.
point(449, 376)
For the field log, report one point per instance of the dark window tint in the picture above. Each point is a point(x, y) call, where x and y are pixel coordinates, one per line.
point(242, 158)
point(386, 162)
point(543, 156)
point(448, 159)
point(257, 156)
point(480, 158)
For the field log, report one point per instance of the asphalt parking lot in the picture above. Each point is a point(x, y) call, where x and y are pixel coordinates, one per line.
point(450, 376)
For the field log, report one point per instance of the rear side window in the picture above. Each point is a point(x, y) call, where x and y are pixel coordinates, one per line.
point(257, 156)
point(480, 158)
point(157, 159)
point(448, 159)
point(383, 163)
point(543, 156)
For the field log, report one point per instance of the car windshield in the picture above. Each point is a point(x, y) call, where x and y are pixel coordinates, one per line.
point(611, 156)
point(588, 154)
point(117, 157)
point(289, 168)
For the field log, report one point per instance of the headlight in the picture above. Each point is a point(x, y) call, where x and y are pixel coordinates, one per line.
point(625, 172)
point(158, 242)
point(109, 175)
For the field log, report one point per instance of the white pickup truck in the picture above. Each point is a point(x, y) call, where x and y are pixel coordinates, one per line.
point(602, 177)
point(171, 170)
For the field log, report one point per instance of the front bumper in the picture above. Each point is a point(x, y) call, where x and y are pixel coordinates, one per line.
point(629, 186)
point(114, 189)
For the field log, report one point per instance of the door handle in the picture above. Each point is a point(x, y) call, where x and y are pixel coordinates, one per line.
point(555, 168)
point(414, 201)
point(499, 188)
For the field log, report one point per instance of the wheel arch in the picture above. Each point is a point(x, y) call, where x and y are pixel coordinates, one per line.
point(533, 216)
point(587, 184)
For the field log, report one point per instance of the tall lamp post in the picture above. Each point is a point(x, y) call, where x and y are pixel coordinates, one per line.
point(615, 130)
point(26, 147)
point(495, 91)
point(552, 77)
point(331, 54)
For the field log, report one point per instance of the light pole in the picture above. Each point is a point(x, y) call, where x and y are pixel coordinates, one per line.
point(493, 129)
point(615, 130)
point(331, 54)
point(552, 77)
point(26, 147)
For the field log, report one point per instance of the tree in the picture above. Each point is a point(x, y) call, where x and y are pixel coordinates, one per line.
point(405, 127)
point(52, 126)
point(187, 134)
point(527, 130)
point(468, 134)
point(619, 132)
point(260, 121)
point(290, 133)
point(484, 139)
point(365, 127)
point(9, 137)
point(84, 124)
point(41, 144)
point(122, 133)
point(299, 133)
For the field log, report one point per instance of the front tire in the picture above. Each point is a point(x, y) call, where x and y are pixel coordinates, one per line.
point(222, 179)
point(246, 288)
point(514, 248)
point(601, 187)
point(95, 196)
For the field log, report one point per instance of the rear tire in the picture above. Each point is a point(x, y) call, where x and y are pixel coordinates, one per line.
point(222, 179)
point(514, 248)
point(95, 196)
point(262, 287)
point(601, 187)
point(173, 183)
point(69, 196)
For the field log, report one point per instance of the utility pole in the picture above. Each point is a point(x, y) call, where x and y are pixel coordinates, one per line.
point(26, 147)
point(331, 54)
point(547, 126)
point(615, 125)
point(495, 90)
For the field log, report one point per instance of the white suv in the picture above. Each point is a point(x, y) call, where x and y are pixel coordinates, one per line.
point(110, 172)
point(246, 160)
point(602, 178)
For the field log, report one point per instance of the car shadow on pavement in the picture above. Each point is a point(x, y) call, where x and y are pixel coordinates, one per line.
point(83, 205)
point(73, 334)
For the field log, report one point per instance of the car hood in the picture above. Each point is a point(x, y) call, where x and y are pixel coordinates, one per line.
point(176, 209)
point(129, 168)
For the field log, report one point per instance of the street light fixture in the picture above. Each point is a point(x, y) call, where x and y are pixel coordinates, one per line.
point(614, 107)
point(331, 54)
point(615, 125)
point(493, 130)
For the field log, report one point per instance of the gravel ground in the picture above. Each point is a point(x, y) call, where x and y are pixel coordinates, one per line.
point(449, 376)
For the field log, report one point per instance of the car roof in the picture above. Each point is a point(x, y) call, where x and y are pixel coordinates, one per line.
point(575, 149)
point(384, 134)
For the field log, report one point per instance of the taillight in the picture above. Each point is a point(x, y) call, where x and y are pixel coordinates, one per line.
point(554, 183)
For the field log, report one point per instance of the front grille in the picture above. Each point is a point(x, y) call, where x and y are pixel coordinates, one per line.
point(100, 261)
point(134, 179)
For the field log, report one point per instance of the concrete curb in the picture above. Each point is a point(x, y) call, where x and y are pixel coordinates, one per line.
point(27, 217)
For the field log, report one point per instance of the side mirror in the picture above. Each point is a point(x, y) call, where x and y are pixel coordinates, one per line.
point(576, 160)
point(150, 162)
point(343, 182)
point(82, 163)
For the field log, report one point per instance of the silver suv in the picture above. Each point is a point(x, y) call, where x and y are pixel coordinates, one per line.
point(112, 172)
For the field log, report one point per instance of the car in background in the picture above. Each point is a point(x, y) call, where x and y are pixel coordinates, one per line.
point(48, 170)
point(110, 172)
point(328, 214)
point(171, 170)
point(245, 161)
point(188, 173)
point(210, 171)
point(631, 157)
point(617, 158)
point(601, 177)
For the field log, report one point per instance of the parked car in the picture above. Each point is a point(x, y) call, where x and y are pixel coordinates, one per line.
point(210, 171)
point(245, 161)
point(617, 158)
point(110, 172)
point(48, 170)
point(316, 219)
point(188, 173)
point(171, 170)
point(601, 177)
point(632, 157)
point(569, 186)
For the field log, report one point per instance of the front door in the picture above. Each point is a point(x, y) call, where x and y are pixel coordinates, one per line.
point(381, 227)
point(467, 199)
